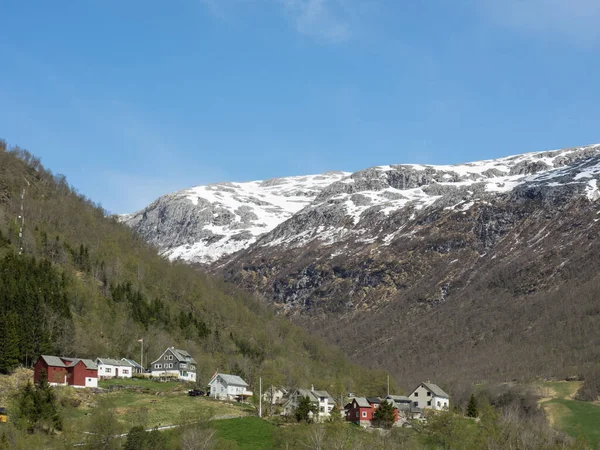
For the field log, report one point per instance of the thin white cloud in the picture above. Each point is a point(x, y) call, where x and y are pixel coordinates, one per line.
point(324, 20)
point(574, 19)
point(320, 19)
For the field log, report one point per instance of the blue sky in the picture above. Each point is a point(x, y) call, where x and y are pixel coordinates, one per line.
point(133, 99)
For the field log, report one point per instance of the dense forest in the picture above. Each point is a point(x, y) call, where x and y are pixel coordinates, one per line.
point(84, 285)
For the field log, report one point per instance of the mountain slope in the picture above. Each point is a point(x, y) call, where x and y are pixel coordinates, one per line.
point(87, 286)
point(204, 223)
point(496, 269)
point(419, 268)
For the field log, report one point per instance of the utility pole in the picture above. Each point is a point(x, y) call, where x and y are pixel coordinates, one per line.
point(388, 384)
point(260, 397)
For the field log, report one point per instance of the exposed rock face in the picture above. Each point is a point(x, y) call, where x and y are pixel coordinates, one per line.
point(455, 263)
point(204, 223)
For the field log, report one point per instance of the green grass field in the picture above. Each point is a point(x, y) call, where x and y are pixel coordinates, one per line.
point(161, 408)
point(249, 433)
point(144, 383)
point(577, 419)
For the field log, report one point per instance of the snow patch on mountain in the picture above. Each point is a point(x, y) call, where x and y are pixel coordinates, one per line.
point(205, 223)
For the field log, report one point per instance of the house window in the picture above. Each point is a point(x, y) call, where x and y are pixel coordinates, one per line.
point(183, 365)
point(158, 366)
point(429, 403)
point(357, 414)
point(364, 414)
point(416, 394)
point(107, 369)
point(428, 394)
point(125, 372)
point(416, 404)
point(322, 409)
point(439, 404)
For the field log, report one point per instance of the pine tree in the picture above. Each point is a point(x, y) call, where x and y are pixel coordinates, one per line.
point(335, 416)
point(472, 410)
point(304, 408)
point(9, 343)
point(385, 415)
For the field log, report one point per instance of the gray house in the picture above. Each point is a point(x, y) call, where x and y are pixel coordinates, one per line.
point(176, 364)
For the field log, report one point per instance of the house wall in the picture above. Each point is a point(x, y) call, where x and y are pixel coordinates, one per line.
point(361, 416)
point(56, 375)
point(111, 371)
point(425, 399)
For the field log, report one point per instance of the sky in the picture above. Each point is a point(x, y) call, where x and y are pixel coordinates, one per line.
point(134, 99)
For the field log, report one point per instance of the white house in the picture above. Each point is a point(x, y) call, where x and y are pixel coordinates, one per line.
point(174, 363)
point(113, 368)
point(321, 399)
point(429, 396)
point(136, 367)
point(228, 387)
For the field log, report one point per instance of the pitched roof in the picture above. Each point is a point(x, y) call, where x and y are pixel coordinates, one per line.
point(436, 390)
point(362, 402)
point(62, 361)
point(89, 364)
point(324, 394)
point(53, 361)
point(374, 400)
point(132, 363)
point(180, 355)
point(230, 379)
point(114, 362)
point(398, 398)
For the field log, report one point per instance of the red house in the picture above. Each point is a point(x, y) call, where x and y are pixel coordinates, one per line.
point(66, 371)
point(361, 411)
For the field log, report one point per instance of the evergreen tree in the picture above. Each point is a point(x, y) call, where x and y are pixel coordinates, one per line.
point(472, 410)
point(305, 407)
point(385, 415)
point(335, 416)
point(9, 343)
point(136, 439)
point(37, 407)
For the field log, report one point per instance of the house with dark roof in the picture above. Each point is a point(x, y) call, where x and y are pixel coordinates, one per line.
point(175, 363)
point(429, 396)
point(65, 371)
point(322, 400)
point(360, 411)
point(137, 368)
point(113, 368)
point(228, 387)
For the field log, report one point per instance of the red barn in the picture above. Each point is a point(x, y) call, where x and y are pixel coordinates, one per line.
point(66, 371)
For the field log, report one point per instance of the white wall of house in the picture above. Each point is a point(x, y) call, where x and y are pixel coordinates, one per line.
point(171, 371)
point(325, 407)
point(91, 382)
point(110, 371)
point(425, 399)
point(220, 389)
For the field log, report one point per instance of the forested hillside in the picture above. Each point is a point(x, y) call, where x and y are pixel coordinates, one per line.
point(86, 286)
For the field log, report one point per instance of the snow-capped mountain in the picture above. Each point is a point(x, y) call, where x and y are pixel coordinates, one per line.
point(417, 268)
point(204, 223)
